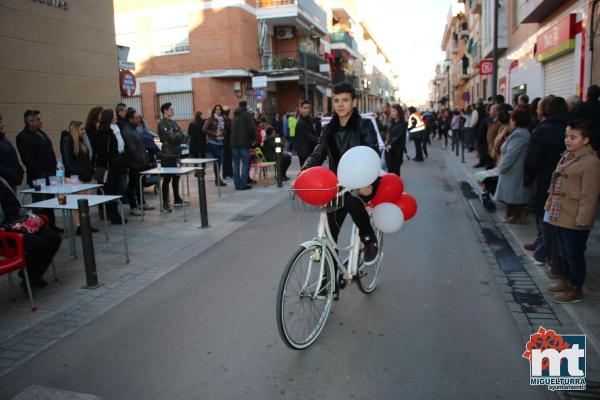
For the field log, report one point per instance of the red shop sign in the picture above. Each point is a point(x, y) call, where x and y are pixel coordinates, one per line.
point(127, 82)
point(486, 67)
point(557, 40)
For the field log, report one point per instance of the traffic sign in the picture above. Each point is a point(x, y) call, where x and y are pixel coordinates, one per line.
point(486, 67)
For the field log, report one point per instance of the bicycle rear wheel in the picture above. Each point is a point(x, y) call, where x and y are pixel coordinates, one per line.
point(369, 275)
point(304, 297)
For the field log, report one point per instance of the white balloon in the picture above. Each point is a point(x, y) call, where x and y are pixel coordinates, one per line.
point(358, 167)
point(388, 217)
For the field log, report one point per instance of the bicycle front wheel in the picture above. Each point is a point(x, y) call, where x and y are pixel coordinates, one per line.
point(305, 296)
point(369, 275)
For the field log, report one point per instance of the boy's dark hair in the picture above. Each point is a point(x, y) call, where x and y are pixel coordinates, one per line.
point(165, 107)
point(412, 110)
point(582, 125)
point(344, 87)
point(303, 102)
point(499, 99)
point(269, 130)
point(243, 104)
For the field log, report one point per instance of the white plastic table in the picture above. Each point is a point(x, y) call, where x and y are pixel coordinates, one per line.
point(93, 200)
point(201, 162)
point(161, 172)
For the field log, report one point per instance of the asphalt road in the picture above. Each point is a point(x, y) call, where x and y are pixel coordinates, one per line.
point(436, 328)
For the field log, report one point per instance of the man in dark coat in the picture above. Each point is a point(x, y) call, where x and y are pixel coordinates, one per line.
point(37, 154)
point(10, 168)
point(590, 110)
point(243, 134)
point(137, 160)
point(346, 130)
point(306, 138)
point(121, 111)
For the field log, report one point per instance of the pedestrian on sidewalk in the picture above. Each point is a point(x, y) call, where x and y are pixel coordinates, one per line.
point(110, 153)
point(416, 132)
point(546, 146)
point(10, 168)
point(268, 149)
point(395, 142)
point(306, 137)
point(227, 154)
point(243, 135)
point(571, 207)
point(511, 189)
point(171, 136)
point(590, 110)
point(137, 161)
point(214, 129)
point(197, 136)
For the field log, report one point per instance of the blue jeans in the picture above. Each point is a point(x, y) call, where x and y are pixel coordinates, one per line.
point(217, 152)
point(572, 251)
point(240, 179)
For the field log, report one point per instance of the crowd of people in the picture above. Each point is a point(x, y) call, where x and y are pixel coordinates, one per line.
point(537, 158)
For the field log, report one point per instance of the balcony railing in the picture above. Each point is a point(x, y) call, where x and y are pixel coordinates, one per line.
point(343, 37)
point(309, 6)
point(292, 60)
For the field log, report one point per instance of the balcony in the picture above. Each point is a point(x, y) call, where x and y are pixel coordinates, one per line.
point(537, 10)
point(292, 62)
point(305, 15)
point(341, 40)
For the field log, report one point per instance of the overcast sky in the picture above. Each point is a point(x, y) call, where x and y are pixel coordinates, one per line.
point(411, 34)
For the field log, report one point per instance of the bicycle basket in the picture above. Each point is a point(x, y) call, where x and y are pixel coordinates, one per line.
point(300, 206)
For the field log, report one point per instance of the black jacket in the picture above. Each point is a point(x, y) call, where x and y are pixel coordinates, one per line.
point(135, 148)
point(590, 110)
point(107, 152)
point(75, 164)
point(10, 168)
point(335, 140)
point(546, 145)
point(306, 139)
point(37, 154)
point(397, 135)
point(197, 137)
point(243, 128)
point(11, 208)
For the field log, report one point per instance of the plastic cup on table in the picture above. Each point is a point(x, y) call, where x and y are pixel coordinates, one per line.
point(53, 181)
point(158, 164)
point(74, 179)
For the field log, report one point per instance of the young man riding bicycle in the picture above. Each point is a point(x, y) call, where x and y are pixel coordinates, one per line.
point(348, 129)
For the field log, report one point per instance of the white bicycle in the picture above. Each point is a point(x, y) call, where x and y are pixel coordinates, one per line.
point(315, 274)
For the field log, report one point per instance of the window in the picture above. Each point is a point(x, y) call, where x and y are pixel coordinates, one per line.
point(172, 40)
point(516, 14)
point(183, 104)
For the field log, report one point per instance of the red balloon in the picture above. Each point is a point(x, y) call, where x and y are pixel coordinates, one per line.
point(408, 205)
point(389, 190)
point(316, 186)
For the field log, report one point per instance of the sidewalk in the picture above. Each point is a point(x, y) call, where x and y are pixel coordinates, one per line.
point(584, 314)
point(158, 245)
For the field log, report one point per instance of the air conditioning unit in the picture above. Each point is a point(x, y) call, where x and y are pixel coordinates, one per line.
point(284, 32)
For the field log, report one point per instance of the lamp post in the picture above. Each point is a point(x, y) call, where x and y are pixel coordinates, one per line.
point(278, 152)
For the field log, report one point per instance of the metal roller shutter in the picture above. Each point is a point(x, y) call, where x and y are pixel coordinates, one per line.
point(559, 76)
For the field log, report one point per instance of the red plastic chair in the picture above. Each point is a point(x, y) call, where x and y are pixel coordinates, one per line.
point(13, 259)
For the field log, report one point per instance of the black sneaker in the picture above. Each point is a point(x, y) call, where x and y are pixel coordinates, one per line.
point(371, 251)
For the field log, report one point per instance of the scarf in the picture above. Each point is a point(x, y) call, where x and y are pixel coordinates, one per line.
point(557, 179)
point(220, 127)
point(120, 141)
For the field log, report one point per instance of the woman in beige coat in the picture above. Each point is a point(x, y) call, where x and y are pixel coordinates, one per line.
point(571, 207)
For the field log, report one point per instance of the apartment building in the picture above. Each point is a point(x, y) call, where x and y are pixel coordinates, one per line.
point(57, 57)
point(196, 54)
point(545, 47)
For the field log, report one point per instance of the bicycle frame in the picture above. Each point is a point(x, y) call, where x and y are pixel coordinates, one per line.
point(324, 240)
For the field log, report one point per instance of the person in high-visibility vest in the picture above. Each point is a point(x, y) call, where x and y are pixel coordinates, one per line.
point(292, 122)
point(416, 131)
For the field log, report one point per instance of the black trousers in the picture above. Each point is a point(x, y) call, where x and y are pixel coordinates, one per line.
point(227, 162)
point(40, 248)
point(134, 195)
point(355, 206)
point(174, 180)
point(302, 158)
point(116, 174)
point(394, 158)
point(418, 147)
point(286, 161)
